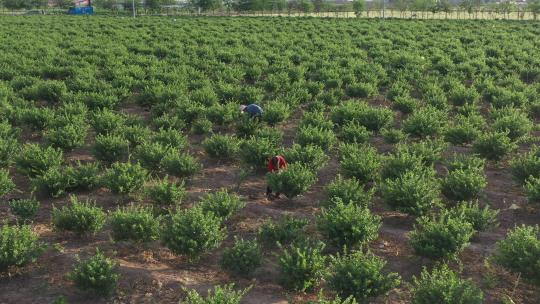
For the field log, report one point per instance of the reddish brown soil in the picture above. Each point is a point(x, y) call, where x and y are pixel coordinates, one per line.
point(151, 274)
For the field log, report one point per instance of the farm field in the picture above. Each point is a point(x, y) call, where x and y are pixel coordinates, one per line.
point(411, 146)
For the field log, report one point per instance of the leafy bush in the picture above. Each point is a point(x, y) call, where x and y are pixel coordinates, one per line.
point(276, 112)
point(361, 276)
point(86, 176)
point(107, 121)
point(301, 265)
point(462, 184)
point(9, 147)
point(256, 151)
point(316, 119)
point(34, 160)
point(310, 156)
point(247, 126)
point(462, 132)
point(24, 209)
point(414, 192)
point(323, 138)
point(360, 161)
point(55, 181)
point(349, 191)
point(292, 182)
point(466, 162)
point(460, 95)
point(164, 193)
point(193, 232)
point(406, 104)
point(6, 184)
point(110, 148)
point(181, 165)
point(393, 136)
point(221, 146)
point(80, 218)
point(442, 236)
point(19, 246)
point(67, 137)
point(134, 224)
point(444, 286)
point(402, 161)
point(354, 133)
point(220, 295)
point(372, 118)
point(520, 251)
point(98, 274)
point(150, 155)
point(481, 219)
point(222, 203)
point(526, 165)
point(428, 150)
point(125, 178)
point(336, 300)
point(348, 225)
point(135, 134)
point(243, 258)
point(202, 126)
point(532, 189)
point(287, 230)
point(172, 138)
point(493, 145)
point(513, 121)
point(427, 121)
point(360, 90)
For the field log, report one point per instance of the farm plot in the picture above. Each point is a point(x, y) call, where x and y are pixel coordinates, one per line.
point(129, 175)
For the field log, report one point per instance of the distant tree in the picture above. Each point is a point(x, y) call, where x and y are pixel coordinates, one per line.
point(534, 8)
point(206, 5)
point(401, 6)
point(506, 7)
point(358, 7)
point(17, 4)
point(305, 6)
point(445, 6)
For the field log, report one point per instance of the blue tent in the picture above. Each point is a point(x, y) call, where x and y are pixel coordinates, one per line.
point(81, 10)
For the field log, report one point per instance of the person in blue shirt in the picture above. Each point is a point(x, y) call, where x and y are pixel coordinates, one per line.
point(252, 110)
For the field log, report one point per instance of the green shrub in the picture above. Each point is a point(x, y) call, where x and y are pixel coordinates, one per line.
point(402, 161)
point(243, 258)
point(107, 121)
point(427, 121)
point(316, 119)
point(481, 219)
point(349, 190)
point(55, 181)
point(348, 225)
point(301, 265)
point(19, 246)
point(222, 203)
point(181, 165)
point(192, 232)
point(310, 156)
point(24, 209)
point(442, 236)
point(532, 189)
point(526, 165)
point(466, 162)
point(37, 118)
point(172, 138)
point(220, 295)
point(493, 145)
point(428, 150)
point(9, 148)
point(360, 161)
point(360, 90)
point(512, 121)
point(520, 251)
point(372, 118)
point(292, 182)
point(247, 126)
point(336, 300)
point(34, 160)
point(150, 155)
point(276, 112)
point(256, 151)
point(309, 135)
point(125, 178)
point(86, 176)
point(110, 148)
point(361, 276)
point(287, 230)
point(202, 126)
point(221, 146)
point(67, 137)
point(98, 274)
point(462, 184)
point(406, 104)
point(135, 134)
point(80, 217)
point(462, 132)
point(6, 184)
point(134, 224)
point(444, 286)
point(460, 95)
point(393, 136)
point(353, 132)
point(164, 193)
point(414, 192)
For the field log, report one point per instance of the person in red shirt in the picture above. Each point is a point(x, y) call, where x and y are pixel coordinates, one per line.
point(275, 163)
